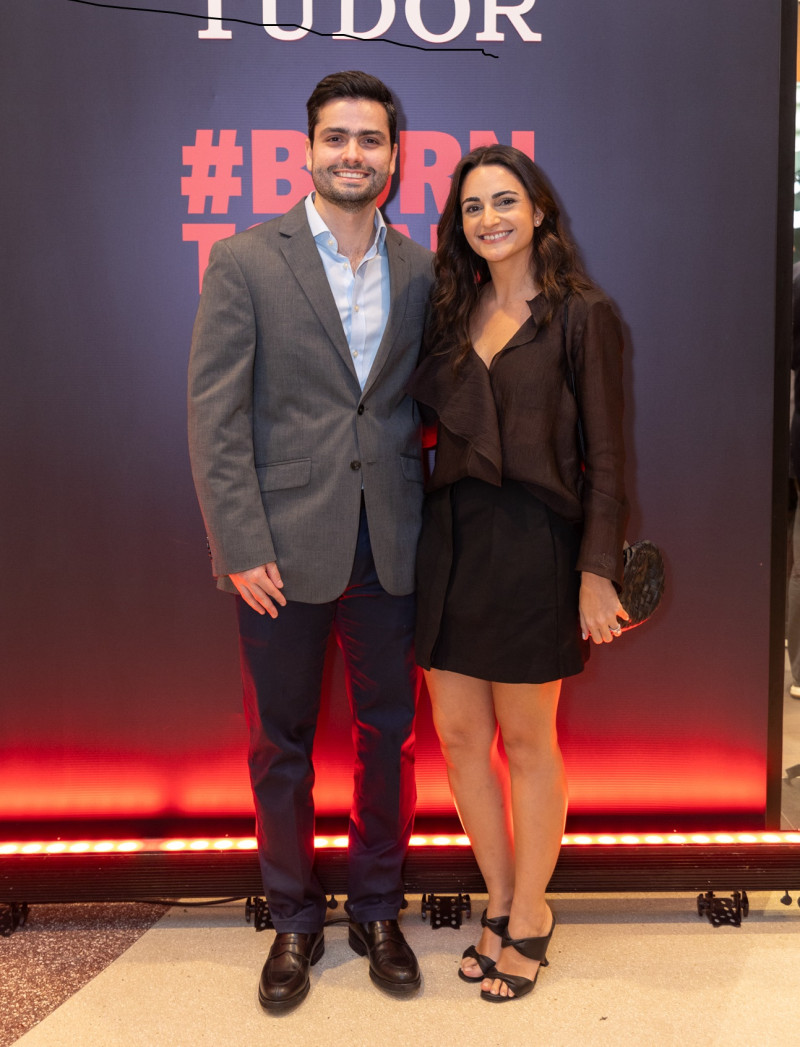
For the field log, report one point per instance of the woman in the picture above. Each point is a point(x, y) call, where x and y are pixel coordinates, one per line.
point(522, 541)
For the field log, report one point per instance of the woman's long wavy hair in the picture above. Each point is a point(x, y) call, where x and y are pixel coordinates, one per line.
point(460, 273)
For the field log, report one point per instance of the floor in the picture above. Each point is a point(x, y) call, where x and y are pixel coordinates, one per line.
point(640, 970)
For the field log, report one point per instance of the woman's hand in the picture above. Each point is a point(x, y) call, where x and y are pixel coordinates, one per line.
point(600, 608)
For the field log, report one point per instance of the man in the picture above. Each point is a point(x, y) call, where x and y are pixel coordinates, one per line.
point(306, 457)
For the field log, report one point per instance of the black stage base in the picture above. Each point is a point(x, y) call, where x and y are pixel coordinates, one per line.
point(619, 868)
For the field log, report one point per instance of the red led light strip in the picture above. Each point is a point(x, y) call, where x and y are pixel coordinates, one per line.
point(184, 846)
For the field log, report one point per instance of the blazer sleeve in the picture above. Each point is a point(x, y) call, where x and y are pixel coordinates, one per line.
point(428, 415)
point(220, 408)
point(597, 356)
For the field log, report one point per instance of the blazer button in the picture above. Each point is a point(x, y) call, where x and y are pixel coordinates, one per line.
point(360, 409)
point(355, 466)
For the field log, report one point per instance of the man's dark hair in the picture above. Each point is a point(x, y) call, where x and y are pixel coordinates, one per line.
point(352, 84)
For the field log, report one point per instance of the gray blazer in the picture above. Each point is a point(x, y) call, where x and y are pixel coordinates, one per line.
point(281, 437)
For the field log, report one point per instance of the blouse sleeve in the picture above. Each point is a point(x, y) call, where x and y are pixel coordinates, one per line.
point(597, 359)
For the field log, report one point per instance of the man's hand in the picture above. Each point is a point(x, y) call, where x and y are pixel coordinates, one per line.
point(259, 586)
point(600, 608)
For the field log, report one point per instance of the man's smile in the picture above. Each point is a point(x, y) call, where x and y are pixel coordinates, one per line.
point(350, 173)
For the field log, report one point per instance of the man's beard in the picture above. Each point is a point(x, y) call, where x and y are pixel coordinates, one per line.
point(349, 198)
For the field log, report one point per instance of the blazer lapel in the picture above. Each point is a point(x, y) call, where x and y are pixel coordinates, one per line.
point(302, 257)
point(399, 283)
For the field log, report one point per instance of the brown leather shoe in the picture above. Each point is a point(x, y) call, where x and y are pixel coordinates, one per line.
point(392, 964)
point(284, 979)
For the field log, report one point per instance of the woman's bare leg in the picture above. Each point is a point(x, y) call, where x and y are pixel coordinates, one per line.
point(527, 717)
point(464, 716)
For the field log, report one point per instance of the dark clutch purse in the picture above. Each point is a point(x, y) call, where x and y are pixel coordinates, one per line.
point(642, 583)
point(643, 564)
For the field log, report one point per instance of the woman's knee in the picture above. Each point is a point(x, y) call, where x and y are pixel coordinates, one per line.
point(462, 744)
point(528, 750)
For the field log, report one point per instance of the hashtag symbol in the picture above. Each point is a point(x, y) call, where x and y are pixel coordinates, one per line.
point(212, 171)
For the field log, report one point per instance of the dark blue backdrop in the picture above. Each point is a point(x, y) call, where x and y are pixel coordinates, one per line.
point(659, 127)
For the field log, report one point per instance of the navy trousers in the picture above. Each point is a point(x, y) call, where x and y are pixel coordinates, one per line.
point(282, 666)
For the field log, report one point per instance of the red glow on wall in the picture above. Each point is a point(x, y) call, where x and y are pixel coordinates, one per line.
point(628, 775)
point(613, 770)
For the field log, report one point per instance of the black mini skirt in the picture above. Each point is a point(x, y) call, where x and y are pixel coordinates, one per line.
point(497, 585)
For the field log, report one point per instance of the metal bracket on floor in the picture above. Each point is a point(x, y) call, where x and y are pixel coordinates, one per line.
point(257, 909)
point(730, 911)
point(12, 916)
point(446, 909)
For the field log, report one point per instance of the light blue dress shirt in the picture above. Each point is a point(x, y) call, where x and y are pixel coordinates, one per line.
point(362, 297)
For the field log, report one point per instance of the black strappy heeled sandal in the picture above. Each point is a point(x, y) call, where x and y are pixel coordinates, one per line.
point(497, 925)
point(533, 949)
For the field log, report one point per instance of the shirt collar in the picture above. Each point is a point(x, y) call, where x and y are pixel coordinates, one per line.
point(322, 233)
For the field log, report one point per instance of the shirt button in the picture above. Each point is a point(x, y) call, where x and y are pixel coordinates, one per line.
point(355, 355)
point(360, 409)
point(355, 466)
point(356, 308)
